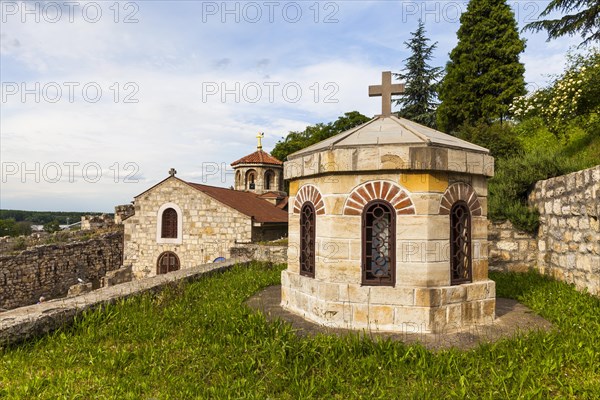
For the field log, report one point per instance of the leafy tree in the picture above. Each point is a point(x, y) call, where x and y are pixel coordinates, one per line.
point(574, 94)
point(585, 20)
point(52, 226)
point(484, 74)
point(418, 101)
point(295, 141)
point(7, 227)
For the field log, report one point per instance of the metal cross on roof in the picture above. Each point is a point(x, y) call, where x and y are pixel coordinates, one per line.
point(386, 90)
point(172, 172)
point(259, 137)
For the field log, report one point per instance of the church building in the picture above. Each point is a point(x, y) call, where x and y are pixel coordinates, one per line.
point(179, 224)
point(388, 228)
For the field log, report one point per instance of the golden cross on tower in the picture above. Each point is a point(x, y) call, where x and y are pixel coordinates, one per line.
point(386, 90)
point(259, 137)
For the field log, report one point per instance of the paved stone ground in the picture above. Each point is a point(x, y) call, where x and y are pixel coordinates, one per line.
point(512, 318)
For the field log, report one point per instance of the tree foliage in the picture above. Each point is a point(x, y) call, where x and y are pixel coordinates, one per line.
point(10, 227)
point(52, 226)
point(418, 101)
point(583, 17)
point(296, 141)
point(484, 74)
point(574, 94)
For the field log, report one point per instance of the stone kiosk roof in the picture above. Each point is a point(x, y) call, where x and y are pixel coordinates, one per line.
point(390, 143)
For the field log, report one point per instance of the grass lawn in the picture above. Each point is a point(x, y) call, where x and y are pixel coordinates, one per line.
point(200, 341)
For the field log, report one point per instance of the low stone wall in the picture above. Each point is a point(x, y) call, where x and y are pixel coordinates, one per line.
point(259, 252)
point(567, 245)
point(511, 249)
point(569, 234)
point(26, 322)
point(50, 270)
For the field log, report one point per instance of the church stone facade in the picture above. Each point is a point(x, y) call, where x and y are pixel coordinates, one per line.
point(178, 224)
point(388, 230)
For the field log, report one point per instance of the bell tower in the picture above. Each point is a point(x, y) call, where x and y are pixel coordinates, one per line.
point(258, 172)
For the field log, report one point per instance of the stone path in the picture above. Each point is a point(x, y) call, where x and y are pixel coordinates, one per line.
point(512, 318)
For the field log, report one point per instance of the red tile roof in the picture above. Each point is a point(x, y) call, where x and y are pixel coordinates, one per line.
point(258, 157)
point(247, 203)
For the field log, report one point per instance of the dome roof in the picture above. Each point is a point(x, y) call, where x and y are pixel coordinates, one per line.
point(390, 130)
point(258, 157)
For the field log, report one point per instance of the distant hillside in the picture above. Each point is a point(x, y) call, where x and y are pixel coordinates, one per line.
point(43, 217)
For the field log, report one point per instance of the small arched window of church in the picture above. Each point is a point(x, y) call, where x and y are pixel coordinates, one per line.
point(269, 180)
point(169, 224)
point(307, 240)
point(460, 244)
point(378, 244)
point(250, 177)
point(167, 262)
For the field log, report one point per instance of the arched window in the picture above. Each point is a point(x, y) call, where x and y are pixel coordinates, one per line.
point(378, 244)
point(167, 262)
point(460, 243)
point(269, 179)
point(307, 240)
point(238, 179)
point(169, 224)
point(250, 177)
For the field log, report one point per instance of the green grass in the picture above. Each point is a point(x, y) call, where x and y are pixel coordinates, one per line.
point(199, 341)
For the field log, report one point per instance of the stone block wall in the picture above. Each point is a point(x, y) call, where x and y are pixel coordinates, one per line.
point(569, 234)
point(274, 254)
point(50, 270)
point(567, 245)
point(511, 249)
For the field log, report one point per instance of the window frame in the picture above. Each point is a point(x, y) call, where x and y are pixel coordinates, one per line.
point(365, 281)
point(159, 222)
point(455, 279)
point(309, 257)
point(159, 259)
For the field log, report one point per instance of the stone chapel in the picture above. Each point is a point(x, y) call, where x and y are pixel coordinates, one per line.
point(178, 224)
point(388, 228)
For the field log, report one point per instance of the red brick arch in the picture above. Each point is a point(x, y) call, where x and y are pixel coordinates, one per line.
point(379, 190)
point(312, 194)
point(460, 191)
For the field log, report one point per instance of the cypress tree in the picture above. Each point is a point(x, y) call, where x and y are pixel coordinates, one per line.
point(484, 74)
point(418, 101)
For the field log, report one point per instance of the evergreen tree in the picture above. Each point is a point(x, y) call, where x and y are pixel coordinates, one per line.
point(484, 74)
point(586, 20)
point(418, 101)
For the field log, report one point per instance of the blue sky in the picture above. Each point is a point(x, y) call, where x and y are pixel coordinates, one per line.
point(101, 98)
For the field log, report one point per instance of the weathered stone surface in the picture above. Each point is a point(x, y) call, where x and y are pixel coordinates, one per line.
point(50, 270)
point(568, 240)
point(26, 322)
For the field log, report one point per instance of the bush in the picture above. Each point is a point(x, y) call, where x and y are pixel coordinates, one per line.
point(500, 139)
point(514, 179)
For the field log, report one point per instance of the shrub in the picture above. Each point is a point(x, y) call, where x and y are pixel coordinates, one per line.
point(500, 139)
point(514, 179)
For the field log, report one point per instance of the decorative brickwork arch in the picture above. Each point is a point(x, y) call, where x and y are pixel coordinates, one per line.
point(312, 194)
point(379, 190)
point(460, 191)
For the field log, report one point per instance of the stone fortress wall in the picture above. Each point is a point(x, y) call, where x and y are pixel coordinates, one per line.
point(49, 270)
point(567, 246)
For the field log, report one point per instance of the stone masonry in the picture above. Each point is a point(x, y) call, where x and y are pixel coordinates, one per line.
point(210, 228)
point(567, 245)
point(50, 270)
point(569, 235)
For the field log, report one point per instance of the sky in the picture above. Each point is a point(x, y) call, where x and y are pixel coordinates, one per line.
point(101, 98)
